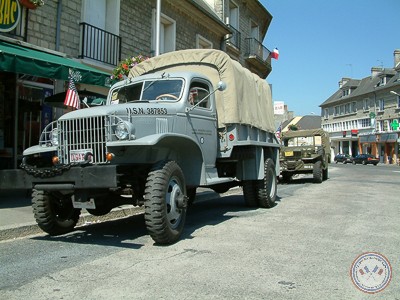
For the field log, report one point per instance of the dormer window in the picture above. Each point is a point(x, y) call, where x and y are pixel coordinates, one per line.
point(346, 92)
point(382, 81)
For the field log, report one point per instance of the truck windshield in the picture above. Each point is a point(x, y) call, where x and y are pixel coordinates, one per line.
point(299, 141)
point(166, 89)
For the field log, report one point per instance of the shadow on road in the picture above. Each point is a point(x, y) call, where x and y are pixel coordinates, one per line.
point(129, 232)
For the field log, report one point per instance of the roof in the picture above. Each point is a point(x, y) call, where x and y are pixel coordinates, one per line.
point(365, 86)
point(294, 133)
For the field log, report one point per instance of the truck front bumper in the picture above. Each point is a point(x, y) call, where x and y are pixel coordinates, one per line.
point(78, 177)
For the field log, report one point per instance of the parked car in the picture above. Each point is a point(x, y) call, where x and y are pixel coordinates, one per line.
point(343, 158)
point(365, 159)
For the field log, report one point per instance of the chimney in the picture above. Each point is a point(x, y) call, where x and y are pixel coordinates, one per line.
point(396, 55)
point(343, 81)
point(375, 71)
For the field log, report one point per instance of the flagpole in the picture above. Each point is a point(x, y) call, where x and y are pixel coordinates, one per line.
point(158, 27)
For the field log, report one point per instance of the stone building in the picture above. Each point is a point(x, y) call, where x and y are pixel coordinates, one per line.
point(362, 116)
point(40, 45)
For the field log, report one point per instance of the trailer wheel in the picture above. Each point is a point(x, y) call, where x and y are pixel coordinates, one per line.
point(317, 172)
point(54, 212)
point(165, 202)
point(250, 193)
point(268, 186)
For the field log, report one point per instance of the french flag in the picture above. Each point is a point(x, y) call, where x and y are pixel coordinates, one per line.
point(275, 53)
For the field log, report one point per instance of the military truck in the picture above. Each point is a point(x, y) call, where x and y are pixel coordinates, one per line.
point(182, 120)
point(305, 152)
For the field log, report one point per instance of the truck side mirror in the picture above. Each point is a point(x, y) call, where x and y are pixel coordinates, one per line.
point(221, 86)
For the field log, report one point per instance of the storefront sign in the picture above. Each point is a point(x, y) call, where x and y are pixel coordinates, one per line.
point(10, 14)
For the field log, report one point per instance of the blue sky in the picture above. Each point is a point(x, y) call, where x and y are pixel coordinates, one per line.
point(322, 41)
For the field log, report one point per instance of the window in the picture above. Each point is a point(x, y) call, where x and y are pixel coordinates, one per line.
point(99, 31)
point(326, 113)
point(199, 94)
point(167, 33)
point(337, 111)
point(233, 18)
point(347, 108)
point(365, 123)
point(354, 107)
point(381, 105)
point(255, 33)
point(366, 104)
point(203, 43)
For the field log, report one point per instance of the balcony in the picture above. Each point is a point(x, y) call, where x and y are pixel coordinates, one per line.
point(234, 38)
point(258, 56)
point(99, 45)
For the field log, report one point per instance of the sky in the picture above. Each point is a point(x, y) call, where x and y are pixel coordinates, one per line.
point(322, 41)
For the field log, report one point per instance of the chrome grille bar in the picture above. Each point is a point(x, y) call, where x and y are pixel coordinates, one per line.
point(82, 135)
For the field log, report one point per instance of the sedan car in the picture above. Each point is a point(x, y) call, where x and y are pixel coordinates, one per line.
point(365, 159)
point(343, 158)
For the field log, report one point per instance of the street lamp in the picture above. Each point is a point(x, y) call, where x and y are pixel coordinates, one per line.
point(394, 93)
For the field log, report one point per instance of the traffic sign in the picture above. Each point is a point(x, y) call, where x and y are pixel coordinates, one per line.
point(372, 115)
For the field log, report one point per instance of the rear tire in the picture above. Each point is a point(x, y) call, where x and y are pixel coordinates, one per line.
point(268, 186)
point(317, 172)
point(250, 193)
point(54, 212)
point(165, 202)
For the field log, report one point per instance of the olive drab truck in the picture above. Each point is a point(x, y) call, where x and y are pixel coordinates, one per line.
point(305, 152)
point(181, 120)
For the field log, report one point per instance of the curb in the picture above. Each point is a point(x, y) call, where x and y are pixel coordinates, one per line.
point(26, 229)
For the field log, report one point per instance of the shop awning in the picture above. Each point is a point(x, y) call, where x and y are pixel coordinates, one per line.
point(18, 59)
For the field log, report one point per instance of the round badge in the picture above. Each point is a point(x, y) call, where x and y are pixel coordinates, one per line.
point(371, 272)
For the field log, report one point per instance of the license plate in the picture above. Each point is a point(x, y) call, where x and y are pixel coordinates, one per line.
point(288, 153)
point(76, 156)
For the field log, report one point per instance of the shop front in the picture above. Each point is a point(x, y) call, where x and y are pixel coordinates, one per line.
point(27, 77)
point(383, 145)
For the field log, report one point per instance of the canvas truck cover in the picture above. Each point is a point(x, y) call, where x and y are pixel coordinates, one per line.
point(247, 98)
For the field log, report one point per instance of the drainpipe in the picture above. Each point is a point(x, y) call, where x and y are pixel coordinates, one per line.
point(158, 27)
point(58, 25)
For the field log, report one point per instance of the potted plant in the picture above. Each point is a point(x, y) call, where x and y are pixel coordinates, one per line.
point(122, 70)
point(31, 4)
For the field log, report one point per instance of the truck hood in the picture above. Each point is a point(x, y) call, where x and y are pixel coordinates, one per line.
point(148, 108)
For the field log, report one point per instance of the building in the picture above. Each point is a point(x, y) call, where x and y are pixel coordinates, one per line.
point(91, 37)
point(362, 116)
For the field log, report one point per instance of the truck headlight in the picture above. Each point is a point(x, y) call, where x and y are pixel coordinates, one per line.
point(53, 136)
point(122, 130)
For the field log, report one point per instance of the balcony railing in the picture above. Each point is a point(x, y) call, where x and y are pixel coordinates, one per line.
point(100, 45)
point(255, 49)
point(234, 38)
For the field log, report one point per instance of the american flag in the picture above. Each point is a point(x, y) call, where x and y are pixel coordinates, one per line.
point(72, 97)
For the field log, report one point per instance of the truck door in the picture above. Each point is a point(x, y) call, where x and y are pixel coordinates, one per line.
point(203, 120)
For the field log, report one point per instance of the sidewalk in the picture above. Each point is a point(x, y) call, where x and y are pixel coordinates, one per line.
point(16, 215)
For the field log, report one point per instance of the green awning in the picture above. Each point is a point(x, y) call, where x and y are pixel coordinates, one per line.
point(18, 59)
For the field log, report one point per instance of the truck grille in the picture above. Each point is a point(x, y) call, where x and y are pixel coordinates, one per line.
point(80, 136)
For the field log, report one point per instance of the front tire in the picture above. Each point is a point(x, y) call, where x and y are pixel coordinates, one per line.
point(165, 202)
point(268, 186)
point(317, 172)
point(54, 212)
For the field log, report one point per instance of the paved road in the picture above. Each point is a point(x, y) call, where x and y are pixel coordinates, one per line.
point(303, 248)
